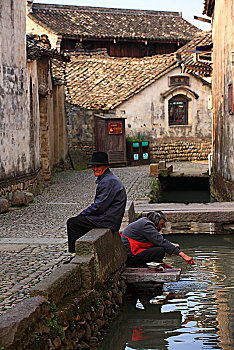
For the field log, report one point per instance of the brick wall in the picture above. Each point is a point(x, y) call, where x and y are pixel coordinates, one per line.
point(29, 182)
point(180, 150)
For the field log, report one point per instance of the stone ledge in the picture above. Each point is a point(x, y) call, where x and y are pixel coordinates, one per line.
point(106, 248)
point(23, 316)
point(129, 215)
point(196, 212)
point(63, 281)
point(201, 216)
point(135, 275)
point(87, 270)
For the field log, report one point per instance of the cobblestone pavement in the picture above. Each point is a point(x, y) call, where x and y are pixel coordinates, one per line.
point(33, 240)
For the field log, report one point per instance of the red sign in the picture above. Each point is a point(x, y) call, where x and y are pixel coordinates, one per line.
point(114, 128)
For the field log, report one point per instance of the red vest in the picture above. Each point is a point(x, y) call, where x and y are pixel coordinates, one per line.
point(138, 247)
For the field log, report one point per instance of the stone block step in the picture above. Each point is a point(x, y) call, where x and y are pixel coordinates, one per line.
point(134, 275)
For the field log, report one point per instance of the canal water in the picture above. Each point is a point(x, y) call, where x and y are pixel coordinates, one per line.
point(184, 190)
point(194, 313)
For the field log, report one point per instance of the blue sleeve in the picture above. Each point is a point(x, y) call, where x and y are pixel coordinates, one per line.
point(104, 197)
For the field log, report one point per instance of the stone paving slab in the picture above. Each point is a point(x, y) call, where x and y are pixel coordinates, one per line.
point(30, 241)
point(198, 212)
point(191, 206)
point(5, 247)
point(135, 275)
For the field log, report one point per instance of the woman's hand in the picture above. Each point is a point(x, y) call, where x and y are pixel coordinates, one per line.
point(188, 259)
point(166, 266)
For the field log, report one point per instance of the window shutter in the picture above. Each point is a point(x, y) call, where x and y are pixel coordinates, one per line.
point(230, 98)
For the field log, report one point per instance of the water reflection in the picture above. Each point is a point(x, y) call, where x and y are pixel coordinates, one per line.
point(194, 313)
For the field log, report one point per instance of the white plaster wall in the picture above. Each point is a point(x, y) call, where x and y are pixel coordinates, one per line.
point(15, 157)
point(147, 112)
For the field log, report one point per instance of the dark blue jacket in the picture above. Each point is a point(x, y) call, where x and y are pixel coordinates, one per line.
point(144, 231)
point(109, 202)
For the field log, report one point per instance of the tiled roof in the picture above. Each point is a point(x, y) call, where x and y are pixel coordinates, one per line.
point(98, 22)
point(201, 39)
point(40, 46)
point(105, 82)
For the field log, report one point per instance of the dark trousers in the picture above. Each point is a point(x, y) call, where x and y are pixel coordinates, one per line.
point(155, 254)
point(76, 227)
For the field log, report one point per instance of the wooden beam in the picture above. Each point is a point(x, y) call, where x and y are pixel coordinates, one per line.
point(202, 19)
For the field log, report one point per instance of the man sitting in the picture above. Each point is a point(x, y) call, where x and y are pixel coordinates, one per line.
point(145, 244)
point(108, 207)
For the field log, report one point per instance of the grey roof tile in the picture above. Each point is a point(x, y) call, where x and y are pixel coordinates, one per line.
point(98, 22)
point(103, 82)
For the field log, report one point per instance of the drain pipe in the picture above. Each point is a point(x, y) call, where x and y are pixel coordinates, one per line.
point(210, 160)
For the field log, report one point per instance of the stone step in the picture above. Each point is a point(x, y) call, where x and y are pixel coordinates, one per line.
point(175, 212)
point(134, 275)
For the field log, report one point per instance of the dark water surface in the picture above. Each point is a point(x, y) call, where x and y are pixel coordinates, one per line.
point(185, 196)
point(194, 313)
point(184, 189)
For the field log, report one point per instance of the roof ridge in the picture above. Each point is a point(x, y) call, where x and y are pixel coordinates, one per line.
point(106, 10)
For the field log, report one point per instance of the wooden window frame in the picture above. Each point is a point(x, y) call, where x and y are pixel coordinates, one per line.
point(230, 99)
point(174, 103)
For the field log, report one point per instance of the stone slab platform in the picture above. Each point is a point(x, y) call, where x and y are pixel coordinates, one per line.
point(199, 212)
point(134, 275)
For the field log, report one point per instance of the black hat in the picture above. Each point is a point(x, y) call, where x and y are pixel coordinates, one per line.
point(99, 158)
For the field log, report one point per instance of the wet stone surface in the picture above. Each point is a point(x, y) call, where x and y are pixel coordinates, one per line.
point(33, 239)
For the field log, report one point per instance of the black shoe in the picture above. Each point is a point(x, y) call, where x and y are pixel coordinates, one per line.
point(68, 261)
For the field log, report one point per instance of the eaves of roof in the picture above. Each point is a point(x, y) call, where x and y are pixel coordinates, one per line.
point(208, 7)
point(88, 22)
point(36, 49)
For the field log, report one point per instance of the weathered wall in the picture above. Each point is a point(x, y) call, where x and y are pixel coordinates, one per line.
point(53, 131)
point(34, 112)
point(70, 308)
point(17, 132)
point(147, 114)
point(81, 128)
point(60, 125)
point(223, 122)
point(46, 117)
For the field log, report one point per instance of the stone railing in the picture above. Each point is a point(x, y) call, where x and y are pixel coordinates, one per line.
point(72, 307)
